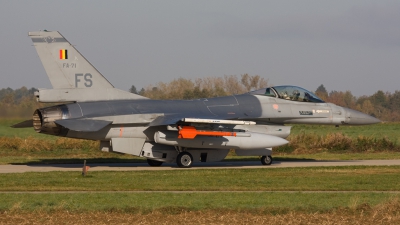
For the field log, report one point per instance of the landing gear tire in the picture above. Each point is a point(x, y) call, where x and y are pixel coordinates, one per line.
point(184, 160)
point(154, 162)
point(266, 160)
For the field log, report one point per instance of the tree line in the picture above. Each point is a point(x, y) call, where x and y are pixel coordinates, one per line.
point(18, 103)
point(208, 87)
point(383, 105)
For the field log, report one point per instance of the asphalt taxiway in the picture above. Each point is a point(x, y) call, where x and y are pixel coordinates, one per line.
point(173, 166)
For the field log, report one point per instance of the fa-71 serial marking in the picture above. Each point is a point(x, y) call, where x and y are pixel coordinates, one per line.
point(184, 131)
point(69, 65)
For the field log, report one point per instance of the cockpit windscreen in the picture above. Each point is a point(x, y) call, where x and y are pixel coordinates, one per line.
point(291, 93)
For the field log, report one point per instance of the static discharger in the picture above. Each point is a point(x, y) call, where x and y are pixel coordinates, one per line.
point(189, 132)
point(235, 122)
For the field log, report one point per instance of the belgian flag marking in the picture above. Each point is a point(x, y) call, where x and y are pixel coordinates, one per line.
point(63, 54)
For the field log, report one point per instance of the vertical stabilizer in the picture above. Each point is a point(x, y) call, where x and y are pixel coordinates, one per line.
point(64, 65)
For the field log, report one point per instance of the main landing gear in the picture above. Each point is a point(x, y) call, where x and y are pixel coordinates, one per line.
point(266, 160)
point(184, 159)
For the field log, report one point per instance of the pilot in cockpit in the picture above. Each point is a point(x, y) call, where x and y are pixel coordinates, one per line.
point(296, 95)
point(292, 93)
point(285, 95)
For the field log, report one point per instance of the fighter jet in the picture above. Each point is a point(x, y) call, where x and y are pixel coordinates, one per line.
point(181, 131)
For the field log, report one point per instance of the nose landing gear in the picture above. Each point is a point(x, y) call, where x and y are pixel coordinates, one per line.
point(266, 160)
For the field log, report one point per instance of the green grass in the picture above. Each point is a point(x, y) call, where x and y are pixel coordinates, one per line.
point(255, 190)
point(352, 178)
point(7, 131)
point(56, 156)
point(389, 130)
point(103, 187)
point(178, 202)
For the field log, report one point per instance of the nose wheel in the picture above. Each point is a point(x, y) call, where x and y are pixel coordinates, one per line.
point(184, 160)
point(266, 160)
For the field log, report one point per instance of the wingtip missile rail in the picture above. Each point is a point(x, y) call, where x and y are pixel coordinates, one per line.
point(234, 122)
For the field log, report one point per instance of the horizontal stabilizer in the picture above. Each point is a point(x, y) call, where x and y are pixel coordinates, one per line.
point(83, 125)
point(25, 124)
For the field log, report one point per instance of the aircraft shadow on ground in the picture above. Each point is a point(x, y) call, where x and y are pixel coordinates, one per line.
point(118, 162)
point(80, 161)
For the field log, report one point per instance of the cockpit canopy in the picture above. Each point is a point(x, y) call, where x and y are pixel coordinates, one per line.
point(291, 93)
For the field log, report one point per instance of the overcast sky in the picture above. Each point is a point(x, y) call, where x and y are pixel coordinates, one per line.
point(345, 45)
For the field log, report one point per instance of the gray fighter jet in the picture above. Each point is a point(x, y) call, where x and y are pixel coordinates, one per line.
point(184, 131)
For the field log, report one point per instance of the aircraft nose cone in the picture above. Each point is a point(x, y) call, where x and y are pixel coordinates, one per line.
point(359, 118)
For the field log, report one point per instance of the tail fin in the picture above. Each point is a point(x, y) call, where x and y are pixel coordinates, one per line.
point(73, 78)
point(64, 65)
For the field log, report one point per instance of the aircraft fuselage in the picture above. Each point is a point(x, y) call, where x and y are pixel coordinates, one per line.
point(137, 117)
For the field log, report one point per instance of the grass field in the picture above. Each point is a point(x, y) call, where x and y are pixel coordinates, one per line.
point(177, 202)
point(384, 213)
point(368, 195)
point(355, 178)
point(7, 131)
point(389, 130)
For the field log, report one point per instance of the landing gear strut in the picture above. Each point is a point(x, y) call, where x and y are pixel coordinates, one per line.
point(184, 160)
point(266, 160)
